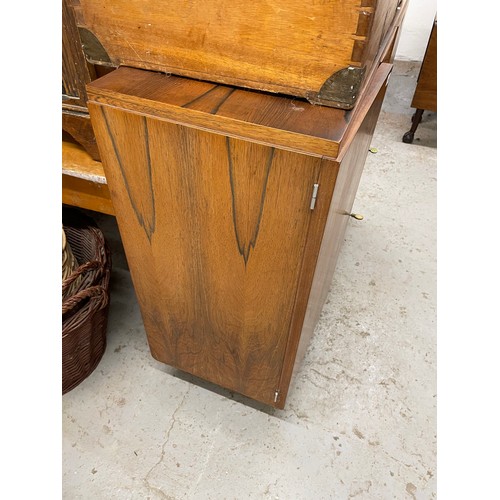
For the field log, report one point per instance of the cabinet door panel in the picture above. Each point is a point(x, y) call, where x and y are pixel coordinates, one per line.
point(215, 230)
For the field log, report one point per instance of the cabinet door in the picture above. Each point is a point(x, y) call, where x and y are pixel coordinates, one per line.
point(215, 230)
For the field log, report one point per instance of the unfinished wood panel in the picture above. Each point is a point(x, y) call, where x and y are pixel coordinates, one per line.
point(215, 230)
point(285, 46)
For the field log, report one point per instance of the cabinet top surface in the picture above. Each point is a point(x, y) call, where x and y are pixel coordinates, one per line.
point(273, 119)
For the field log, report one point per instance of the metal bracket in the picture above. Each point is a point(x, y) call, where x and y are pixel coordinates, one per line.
point(341, 89)
point(314, 196)
point(94, 52)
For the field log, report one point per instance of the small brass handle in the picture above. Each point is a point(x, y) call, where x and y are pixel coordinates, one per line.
point(357, 216)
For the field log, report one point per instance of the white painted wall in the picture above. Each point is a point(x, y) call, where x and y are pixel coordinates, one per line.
point(416, 30)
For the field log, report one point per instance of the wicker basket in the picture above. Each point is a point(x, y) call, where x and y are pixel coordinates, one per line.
point(85, 311)
point(69, 265)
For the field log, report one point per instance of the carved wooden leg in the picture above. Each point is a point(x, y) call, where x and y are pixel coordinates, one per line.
point(416, 119)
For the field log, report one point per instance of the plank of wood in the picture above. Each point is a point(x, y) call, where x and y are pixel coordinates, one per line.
point(284, 46)
point(83, 180)
point(86, 194)
point(76, 162)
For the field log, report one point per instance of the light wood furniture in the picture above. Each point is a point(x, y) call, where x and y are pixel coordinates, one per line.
point(425, 96)
point(325, 51)
point(84, 184)
point(232, 205)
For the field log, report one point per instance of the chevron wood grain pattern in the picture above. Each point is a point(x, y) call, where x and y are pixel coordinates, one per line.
point(220, 238)
point(215, 231)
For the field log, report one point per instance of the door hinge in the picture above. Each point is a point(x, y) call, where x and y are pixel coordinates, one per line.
point(314, 196)
point(276, 395)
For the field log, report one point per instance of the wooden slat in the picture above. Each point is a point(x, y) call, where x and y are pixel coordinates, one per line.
point(83, 181)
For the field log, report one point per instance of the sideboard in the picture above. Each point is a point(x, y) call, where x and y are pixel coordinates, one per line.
point(232, 200)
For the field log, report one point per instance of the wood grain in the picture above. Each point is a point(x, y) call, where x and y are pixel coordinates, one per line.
point(218, 277)
point(371, 95)
point(273, 120)
point(79, 127)
point(385, 37)
point(133, 158)
point(83, 180)
point(284, 46)
point(75, 72)
point(344, 176)
point(229, 262)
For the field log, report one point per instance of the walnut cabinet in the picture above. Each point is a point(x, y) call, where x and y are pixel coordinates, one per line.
point(232, 205)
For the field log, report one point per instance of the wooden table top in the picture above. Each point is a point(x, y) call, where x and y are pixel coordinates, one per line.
point(271, 119)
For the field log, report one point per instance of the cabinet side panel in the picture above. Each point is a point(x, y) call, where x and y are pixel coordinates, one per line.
point(384, 37)
point(346, 185)
point(326, 183)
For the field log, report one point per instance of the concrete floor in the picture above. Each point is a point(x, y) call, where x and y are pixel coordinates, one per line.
point(360, 420)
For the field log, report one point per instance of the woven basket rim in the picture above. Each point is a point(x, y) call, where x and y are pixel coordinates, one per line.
point(85, 312)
